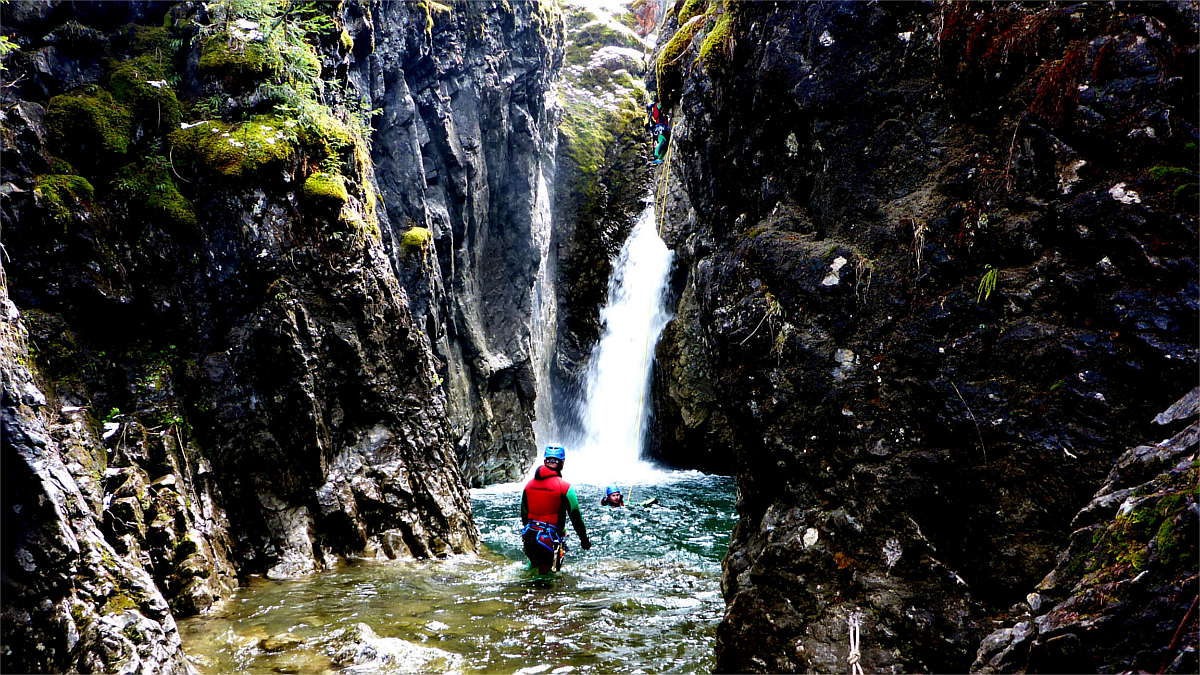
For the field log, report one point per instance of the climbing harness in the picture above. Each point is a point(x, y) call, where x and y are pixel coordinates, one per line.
point(547, 536)
point(855, 622)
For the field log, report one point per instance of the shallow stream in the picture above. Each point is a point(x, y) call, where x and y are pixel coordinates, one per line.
point(646, 597)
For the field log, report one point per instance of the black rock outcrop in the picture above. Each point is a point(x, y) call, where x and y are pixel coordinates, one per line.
point(938, 271)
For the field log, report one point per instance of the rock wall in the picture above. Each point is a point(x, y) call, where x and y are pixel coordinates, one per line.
point(77, 595)
point(230, 368)
point(464, 147)
point(937, 273)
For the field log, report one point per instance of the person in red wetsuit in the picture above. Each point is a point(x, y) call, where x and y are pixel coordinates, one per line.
point(545, 505)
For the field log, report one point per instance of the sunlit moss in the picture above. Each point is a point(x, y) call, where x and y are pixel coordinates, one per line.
point(326, 188)
point(239, 149)
point(692, 8)
point(222, 55)
point(63, 196)
point(718, 44)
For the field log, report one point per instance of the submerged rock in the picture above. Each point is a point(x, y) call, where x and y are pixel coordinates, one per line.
point(358, 649)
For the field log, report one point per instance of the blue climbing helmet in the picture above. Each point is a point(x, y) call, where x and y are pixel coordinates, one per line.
point(556, 452)
point(608, 491)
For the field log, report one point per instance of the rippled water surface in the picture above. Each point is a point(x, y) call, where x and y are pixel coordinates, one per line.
point(646, 596)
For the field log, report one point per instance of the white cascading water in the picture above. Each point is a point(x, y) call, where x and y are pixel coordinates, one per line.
point(616, 403)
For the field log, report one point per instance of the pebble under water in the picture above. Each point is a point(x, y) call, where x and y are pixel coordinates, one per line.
point(645, 598)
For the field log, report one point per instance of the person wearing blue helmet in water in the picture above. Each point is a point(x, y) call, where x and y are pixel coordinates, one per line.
point(613, 497)
point(546, 503)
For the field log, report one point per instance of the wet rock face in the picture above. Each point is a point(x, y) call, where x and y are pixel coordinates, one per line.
point(74, 599)
point(1128, 573)
point(936, 279)
point(233, 374)
point(463, 147)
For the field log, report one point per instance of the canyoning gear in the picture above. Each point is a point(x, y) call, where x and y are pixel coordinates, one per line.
point(556, 452)
point(660, 147)
point(543, 534)
point(548, 501)
point(543, 545)
point(654, 114)
point(611, 489)
point(545, 498)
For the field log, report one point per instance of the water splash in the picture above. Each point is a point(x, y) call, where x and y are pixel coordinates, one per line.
point(615, 406)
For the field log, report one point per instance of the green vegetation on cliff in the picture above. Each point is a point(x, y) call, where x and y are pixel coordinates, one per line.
point(241, 149)
point(64, 196)
point(88, 125)
point(153, 194)
point(326, 188)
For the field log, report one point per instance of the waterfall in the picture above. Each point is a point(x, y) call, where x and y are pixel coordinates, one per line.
point(616, 406)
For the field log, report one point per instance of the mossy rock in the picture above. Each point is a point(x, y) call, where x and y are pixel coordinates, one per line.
point(224, 56)
point(692, 8)
point(594, 35)
point(237, 150)
point(327, 189)
point(88, 126)
point(718, 44)
point(153, 194)
point(63, 196)
point(671, 60)
point(117, 603)
point(1155, 534)
point(143, 82)
point(325, 137)
point(415, 237)
point(587, 133)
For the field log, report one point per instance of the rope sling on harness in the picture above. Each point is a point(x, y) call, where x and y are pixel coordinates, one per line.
point(547, 535)
point(853, 658)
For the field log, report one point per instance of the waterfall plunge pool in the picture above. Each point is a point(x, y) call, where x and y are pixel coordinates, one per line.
point(646, 597)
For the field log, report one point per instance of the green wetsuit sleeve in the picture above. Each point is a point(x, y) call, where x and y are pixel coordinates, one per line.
point(524, 509)
point(576, 516)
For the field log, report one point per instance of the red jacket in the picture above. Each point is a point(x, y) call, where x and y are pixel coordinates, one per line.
point(549, 499)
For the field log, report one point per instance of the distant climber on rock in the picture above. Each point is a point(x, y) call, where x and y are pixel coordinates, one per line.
point(662, 140)
point(613, 497)
point(654, 116)
point(659, 127)
point(546, 503)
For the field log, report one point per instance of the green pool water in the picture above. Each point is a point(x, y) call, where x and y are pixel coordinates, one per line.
point(646, 597)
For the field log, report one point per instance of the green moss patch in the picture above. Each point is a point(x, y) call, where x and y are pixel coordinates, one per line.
point(63, 196)
point(237, 150)
point(88, 126)
point(153, 194)
point(670, 63)
point(225, 56)
point(326, 188)
point(118, 603)
point(415, 237)
point(143, 83)
point(1157, 534)
point(718, 44)
point(692, 8)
